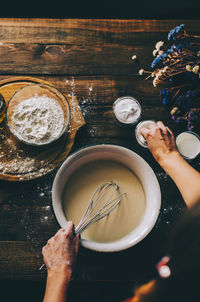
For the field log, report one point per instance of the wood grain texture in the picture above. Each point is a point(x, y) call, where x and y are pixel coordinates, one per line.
point(24, 255)
point(78, 30)
point(74, 46)
point(89, 59)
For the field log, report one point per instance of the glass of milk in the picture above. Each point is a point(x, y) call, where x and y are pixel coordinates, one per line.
point(188, 144)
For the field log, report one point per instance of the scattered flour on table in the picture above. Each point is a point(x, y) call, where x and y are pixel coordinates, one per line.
point(39, 120)
point(18, 165)
point(72, 85)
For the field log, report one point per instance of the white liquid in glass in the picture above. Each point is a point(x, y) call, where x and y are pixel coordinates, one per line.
point(188, 144)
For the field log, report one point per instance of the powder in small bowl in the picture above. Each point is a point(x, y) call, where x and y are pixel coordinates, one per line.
point(127, 110)
point(37, 118)
point(140, 138)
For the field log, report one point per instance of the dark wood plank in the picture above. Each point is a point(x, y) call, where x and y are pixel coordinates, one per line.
point(94, 90)
point(23, 254)
point(80, 46)
point(80, 31)
point(27, 223)
point(69, 59)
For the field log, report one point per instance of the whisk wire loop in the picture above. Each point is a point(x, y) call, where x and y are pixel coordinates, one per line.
point(92, 215)
point(98, 216)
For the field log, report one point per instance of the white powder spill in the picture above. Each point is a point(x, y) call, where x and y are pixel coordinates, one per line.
point(38, 120)
point(18, 165)
point(162, 176)
point(73, 87)
point(44, 219)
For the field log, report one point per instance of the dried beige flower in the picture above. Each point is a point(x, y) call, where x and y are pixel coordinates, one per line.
point(160, 73)
point(141, 71)
point(156, 80)
point(174, 110)
point(159, 45)
point(165, 68)
point(188, 68)
point(195, 69)
point(155, 52)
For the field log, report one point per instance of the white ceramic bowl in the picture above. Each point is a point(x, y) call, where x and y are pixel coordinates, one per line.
point(135, 163)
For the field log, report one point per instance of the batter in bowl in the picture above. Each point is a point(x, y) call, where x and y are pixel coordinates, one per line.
point(81, 187)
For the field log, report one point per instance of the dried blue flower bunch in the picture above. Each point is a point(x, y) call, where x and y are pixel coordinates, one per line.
point(176, 33)
point(178, 69)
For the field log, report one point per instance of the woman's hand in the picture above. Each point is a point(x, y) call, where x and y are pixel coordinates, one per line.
point(59, 257)
point(160, 141)
point(162, 145)
point(61, 250)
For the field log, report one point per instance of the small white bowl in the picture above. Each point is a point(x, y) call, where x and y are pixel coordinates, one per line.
point(129, 159)
point(126, 102)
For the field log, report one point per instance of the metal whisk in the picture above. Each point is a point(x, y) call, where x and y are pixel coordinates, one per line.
point(93, 213)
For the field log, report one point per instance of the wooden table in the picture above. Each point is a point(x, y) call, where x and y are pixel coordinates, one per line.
point(92, 60)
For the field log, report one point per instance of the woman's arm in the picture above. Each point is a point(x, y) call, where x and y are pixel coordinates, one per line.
point(56, 288)
point(161, 143)
point(59, 257)
point(185, 177)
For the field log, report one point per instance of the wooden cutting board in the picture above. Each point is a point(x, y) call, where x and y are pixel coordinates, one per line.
point(18, 161)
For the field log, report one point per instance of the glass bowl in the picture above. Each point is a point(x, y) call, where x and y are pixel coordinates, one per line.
point(38, 114)
point(188, 144)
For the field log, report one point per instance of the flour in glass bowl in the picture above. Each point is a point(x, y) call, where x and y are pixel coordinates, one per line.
point(38, 120)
